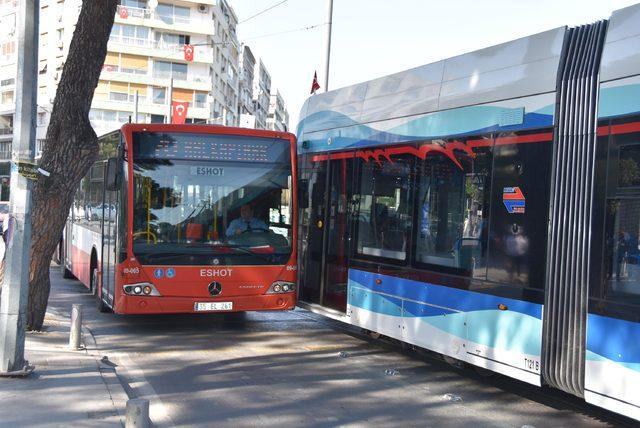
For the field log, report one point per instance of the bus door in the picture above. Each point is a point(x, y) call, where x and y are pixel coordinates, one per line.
point(109, 239)
point(326, 256)
point(612, 355)
point(337, 235)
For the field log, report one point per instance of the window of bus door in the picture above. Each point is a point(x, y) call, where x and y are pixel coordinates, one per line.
point(383, 218)
point(452, 210)
point(622, 224)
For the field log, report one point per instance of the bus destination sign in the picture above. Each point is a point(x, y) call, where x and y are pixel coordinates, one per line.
point(189, 146)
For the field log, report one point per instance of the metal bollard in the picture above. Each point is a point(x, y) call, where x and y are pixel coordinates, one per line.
point(76, 327)
point(137, 413)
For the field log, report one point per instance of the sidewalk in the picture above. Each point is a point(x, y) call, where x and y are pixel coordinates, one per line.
point(68, 388)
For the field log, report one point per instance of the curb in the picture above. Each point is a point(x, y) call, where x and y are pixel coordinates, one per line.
point(108, 373)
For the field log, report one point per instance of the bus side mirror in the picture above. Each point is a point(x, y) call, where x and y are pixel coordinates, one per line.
point(113, 174)
point(303, 194)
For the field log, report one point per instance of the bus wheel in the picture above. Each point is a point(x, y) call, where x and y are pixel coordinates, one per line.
point(100, 304)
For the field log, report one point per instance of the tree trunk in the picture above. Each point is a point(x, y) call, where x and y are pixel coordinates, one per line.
point(70, 149)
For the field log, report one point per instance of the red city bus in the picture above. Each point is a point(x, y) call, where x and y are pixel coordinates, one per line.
point(187, 218)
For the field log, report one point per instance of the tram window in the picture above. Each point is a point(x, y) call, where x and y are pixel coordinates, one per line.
point(452, 211)
point(622, 250)
point(383, 218)
point(629, 166)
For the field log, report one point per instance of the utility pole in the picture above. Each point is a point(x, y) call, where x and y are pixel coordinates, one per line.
point(15, 289)
point(170, 96)
point(327, 44)
point(135, 107)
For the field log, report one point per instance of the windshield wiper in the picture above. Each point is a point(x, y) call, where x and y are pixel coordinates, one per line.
point(244, 250)
point(167, 255)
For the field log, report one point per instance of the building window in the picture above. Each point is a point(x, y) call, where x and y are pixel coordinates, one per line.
point(159, 95)
point(164, 70)
point(42, 119)
point(109, 116)
point(119, 96)
point(130, 34)
point(5, 150)
point(7, 82)
point(7, 97)
point(9, 48)
point(170, 14)
point(171, 40)
point(200, 100)
point(141, 4)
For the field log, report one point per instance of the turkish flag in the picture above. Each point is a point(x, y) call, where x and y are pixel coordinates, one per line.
point(124, 13)
point(315, 85)
point(188, 53)
point(179, 112)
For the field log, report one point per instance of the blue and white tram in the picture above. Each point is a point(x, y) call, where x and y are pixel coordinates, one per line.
point(487, 207)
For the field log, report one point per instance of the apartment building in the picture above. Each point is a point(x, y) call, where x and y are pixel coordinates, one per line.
point(7, 82)
point(277, 116)
point(225, 67)
point(261, 94)
point(146, 56)
point(246, 106)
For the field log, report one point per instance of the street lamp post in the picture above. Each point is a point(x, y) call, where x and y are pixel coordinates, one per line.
point(327, 44)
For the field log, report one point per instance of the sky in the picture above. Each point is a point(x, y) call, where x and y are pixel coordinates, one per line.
point(373, 38)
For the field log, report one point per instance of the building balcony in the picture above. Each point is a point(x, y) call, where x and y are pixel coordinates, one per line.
point(196, 110)
point(194, 81)
point(156, 49)
point(186, 24)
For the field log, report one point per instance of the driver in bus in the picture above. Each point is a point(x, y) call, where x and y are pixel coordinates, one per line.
point(246, 223)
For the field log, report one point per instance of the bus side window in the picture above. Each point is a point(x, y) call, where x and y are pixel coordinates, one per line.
point(452, 211)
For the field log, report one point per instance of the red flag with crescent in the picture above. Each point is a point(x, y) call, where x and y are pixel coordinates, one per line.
point(124, 13)
point(188, 53)
point(179, 110)
point(315, 85)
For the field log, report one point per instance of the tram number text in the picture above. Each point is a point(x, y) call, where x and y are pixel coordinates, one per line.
point(532, 364)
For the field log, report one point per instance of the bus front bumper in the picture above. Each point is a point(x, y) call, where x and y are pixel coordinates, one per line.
point(127, 304)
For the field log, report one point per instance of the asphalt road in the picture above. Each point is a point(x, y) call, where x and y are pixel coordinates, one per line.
point(300, 369)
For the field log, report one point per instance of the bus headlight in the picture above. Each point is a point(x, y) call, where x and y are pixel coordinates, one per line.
point(140, 289)
point(280, 287)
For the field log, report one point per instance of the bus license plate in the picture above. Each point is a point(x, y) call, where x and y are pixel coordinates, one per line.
point(214, 306)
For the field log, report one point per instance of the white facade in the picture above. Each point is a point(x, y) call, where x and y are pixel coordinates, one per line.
point(277, 117)
point(246, 105)
point(261, 93)
point(225, 65)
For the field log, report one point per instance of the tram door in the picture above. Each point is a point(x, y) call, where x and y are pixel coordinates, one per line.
point(325, 272)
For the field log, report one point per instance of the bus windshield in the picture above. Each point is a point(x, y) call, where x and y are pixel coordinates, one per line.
point(211, 199)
